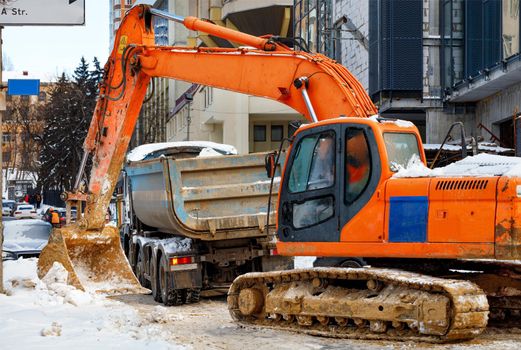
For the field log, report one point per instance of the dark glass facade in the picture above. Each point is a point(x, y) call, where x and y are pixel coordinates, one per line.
point(395, 47)
point(477, 36)
point(452, 27)
point(313, 23)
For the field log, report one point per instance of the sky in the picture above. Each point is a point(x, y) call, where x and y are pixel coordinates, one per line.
point(51, 50)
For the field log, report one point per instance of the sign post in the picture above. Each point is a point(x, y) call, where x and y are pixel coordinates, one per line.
point(2, 109)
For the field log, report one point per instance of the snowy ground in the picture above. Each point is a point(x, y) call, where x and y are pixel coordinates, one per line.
point(50, 315)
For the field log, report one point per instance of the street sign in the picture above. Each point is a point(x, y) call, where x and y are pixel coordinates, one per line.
point(23, 87)
point(42, 12)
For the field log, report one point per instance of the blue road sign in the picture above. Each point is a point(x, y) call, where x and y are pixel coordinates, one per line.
point(23, 86)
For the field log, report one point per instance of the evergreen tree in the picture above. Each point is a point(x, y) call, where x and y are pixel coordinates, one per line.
point(96, 74)
point(67, 113)
point(81, 75)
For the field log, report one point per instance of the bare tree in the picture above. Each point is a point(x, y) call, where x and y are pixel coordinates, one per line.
point(24, 126)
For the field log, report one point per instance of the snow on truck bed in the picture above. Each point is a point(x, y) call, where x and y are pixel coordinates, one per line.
point(207, 149)
point(480, 165)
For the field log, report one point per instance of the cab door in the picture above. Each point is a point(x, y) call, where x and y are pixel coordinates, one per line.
point(309, 205)
point(361, 171)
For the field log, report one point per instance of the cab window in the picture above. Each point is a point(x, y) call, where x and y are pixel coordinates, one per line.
point(314, 163)
point(358, 164)
point(401, 147)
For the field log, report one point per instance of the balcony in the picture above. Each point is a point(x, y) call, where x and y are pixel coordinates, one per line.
point(259, 17)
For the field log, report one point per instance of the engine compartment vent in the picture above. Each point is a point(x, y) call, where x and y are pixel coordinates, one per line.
point(466, 185)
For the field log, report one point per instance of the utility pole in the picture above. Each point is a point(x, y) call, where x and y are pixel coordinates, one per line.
point(2, 109)
point(189, 98)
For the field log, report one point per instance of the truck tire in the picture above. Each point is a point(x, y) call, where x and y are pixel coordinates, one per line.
point(140, 269)
point(170, 297)
point(154, 281)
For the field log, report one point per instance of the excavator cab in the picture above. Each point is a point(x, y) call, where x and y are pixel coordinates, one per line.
point(333, 172)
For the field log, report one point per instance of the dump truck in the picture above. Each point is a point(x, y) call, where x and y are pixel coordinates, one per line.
point(196, 223)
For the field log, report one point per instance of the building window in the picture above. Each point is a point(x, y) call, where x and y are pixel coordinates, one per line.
point(482, 36)
point(453, 40)
point(161, 25)
point(276, 132)
point(313, 22)
point(510, 21)
point(259, 133)
point(6, 156)
point(42, 96)
point(208, 96)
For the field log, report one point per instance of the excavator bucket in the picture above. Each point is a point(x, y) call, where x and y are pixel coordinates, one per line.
point(94, 259)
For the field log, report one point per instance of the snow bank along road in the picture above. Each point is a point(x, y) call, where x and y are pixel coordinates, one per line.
point(48, 314)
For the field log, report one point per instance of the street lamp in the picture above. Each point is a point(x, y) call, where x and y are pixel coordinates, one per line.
point(188, 97)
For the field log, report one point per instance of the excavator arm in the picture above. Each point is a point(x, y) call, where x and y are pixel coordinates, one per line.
point(312, 84)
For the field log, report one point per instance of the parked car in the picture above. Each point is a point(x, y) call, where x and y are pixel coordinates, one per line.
point(6, 211)
point(24, 238)
point(9, 204)
point(25, 211)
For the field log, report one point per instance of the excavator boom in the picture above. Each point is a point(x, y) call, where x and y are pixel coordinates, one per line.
point(312, 84)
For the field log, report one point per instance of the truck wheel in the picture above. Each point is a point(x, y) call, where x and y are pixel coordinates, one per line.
point(193, 295)
point(353, 263)
point(140, 269)
point(154, 282)
point(171, 297)
point(126, 246)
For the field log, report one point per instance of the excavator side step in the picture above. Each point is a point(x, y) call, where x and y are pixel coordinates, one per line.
point(364, 303)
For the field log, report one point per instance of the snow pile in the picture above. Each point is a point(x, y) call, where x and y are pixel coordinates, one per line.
point(482, 146)
point(480, 165)
point(208, 152)
point(304, 262)
point(414, 168)
point(56, 282)
point(49, 314)
point(140, 152)
point(54, 330)
point(160, 314)
point(436, 146)
point(398, 122)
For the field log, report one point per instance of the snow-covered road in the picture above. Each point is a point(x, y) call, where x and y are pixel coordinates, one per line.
point(51, 315)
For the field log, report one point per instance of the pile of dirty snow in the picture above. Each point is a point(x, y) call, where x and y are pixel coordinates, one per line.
point(49, 314)
point(480, 165)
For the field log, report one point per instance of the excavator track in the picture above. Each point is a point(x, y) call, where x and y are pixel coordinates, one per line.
point(362, 303)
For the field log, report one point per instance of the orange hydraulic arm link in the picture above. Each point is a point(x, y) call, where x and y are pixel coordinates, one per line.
point(312, 84)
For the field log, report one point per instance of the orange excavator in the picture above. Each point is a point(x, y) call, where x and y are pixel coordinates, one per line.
point(339, 199)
